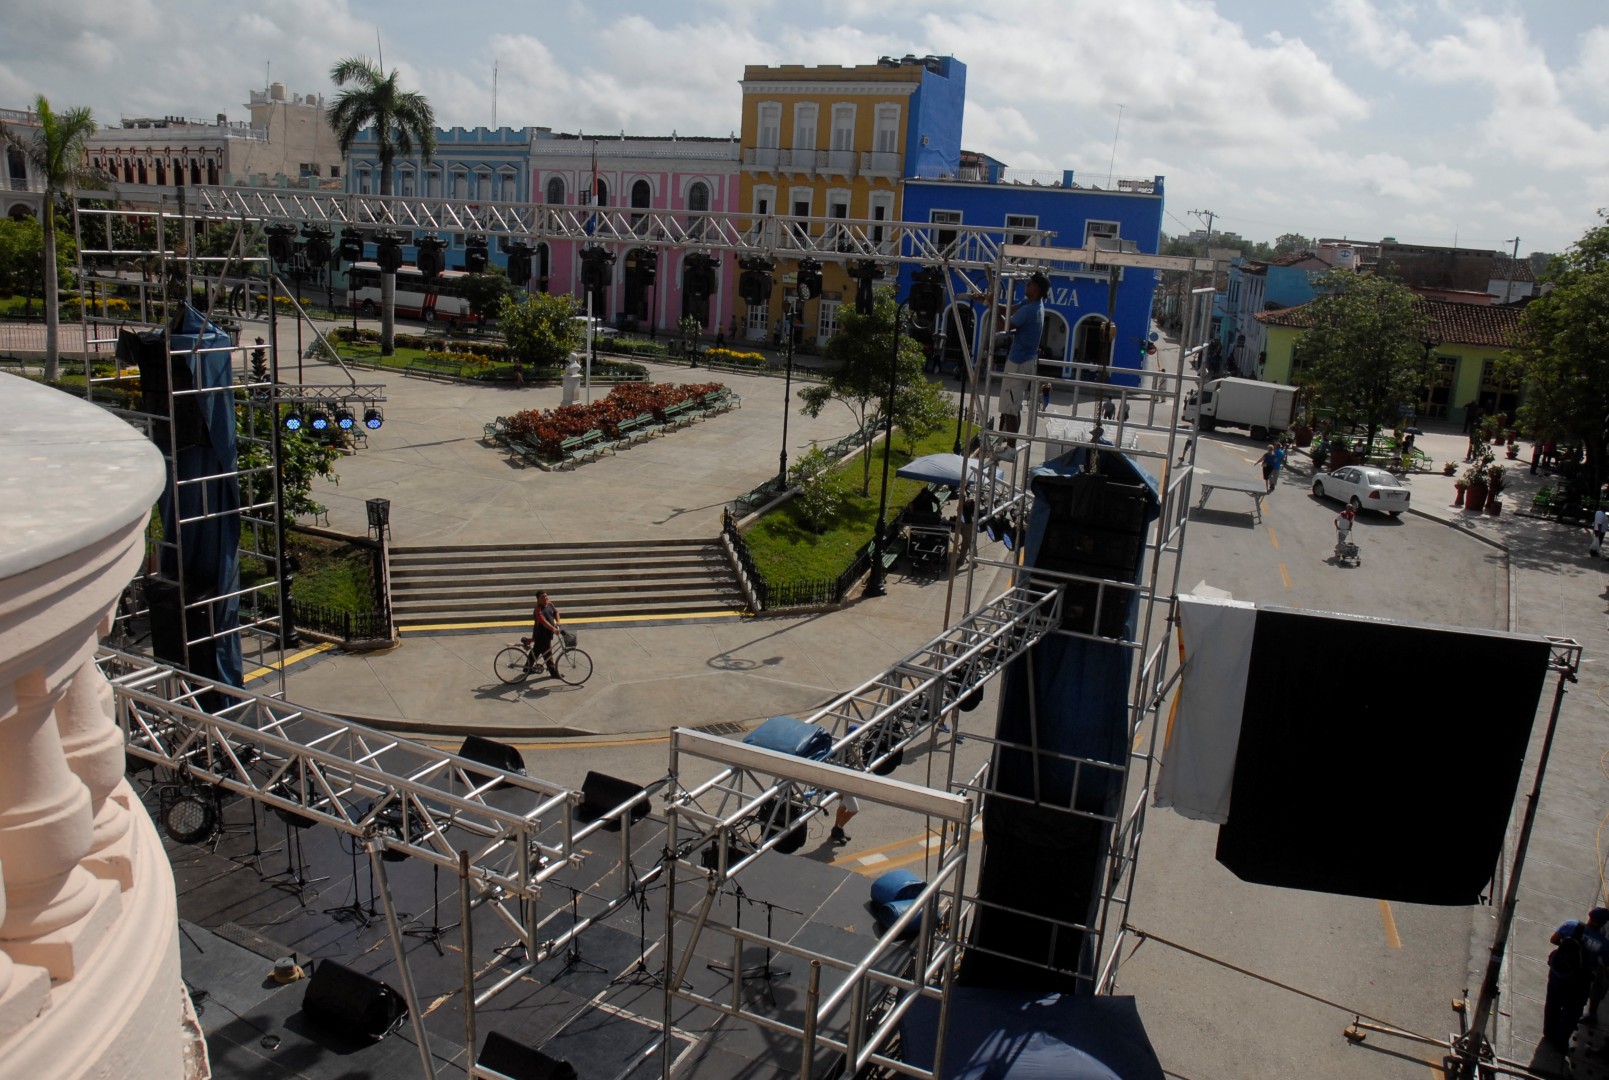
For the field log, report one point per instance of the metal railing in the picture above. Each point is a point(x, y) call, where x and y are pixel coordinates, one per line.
point(369, 624)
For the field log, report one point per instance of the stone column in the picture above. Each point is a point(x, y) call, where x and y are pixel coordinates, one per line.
point(22, 989)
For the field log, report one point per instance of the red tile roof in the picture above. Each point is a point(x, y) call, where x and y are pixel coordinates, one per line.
point(1492, 325)
point(1296, 258)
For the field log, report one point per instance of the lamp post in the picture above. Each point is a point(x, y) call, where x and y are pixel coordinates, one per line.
point(807, 286)
point(877, 585)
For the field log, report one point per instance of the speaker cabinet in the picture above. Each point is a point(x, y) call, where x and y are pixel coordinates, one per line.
point(1097, 529)
point(350, 1003)
point(601, 793)
point(497, 755)
point(520, 1062)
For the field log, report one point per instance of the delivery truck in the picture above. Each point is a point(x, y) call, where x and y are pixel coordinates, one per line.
point(1263, 407)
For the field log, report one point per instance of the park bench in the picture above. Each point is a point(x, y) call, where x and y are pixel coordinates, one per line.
point(637, 428)
point(527, 451)
point(721, 400)
point(681, 415)
point(496, 431)
point(579, 448)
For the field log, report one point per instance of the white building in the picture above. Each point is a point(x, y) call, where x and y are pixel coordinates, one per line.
point(22, 190)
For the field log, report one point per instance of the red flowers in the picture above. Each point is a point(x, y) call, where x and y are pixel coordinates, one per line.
point(625, 402)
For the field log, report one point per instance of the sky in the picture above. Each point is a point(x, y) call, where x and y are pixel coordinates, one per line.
point(1430, 121)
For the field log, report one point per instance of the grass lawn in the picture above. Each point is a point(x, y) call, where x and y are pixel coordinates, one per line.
point(370, 354)
point(332, 574)
point(786, 550)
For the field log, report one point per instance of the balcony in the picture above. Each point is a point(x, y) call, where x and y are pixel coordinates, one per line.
point(89, 952)
point(881, 163)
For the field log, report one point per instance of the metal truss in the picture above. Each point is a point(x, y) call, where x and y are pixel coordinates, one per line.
point(824, 238)
point(859, 1016)
point(316, 394)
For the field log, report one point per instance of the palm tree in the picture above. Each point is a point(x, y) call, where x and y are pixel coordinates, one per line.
point(401, 119)
point(55, 149)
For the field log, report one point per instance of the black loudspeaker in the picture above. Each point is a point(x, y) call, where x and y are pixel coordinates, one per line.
point(784, 819)
point(351, 1003)
point(496, 754)
point(520, 1062)
point(601, 793)
point(1096, 528)
point(148, 351)
point(168, 628)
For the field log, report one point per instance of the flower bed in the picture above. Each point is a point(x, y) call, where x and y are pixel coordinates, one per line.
point(547, 429)
point(736, 358)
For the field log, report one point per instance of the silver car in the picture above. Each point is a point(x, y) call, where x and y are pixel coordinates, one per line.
point(1363, 488)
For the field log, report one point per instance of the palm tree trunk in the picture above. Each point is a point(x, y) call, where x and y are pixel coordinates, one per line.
point(52, 314)
point(388, 283)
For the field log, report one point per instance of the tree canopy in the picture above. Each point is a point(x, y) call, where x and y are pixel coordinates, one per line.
point(55, 150)
point(1563, 352)
point(22, 258)
point(402, 120)
point(541, 328)
point(864, 346)
point(1365, 355)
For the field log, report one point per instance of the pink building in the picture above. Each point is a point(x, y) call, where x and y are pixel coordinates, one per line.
point(651, 173)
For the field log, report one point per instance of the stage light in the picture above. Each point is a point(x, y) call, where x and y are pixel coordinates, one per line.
point(316, 244)
point(293, 421)
point(388, 251)
point(318, 419)
point(187, 817)
point(809, 278)
point(351, 249)
point(372, 419)
point(475, 254)
point(344, 419)
point(430, 260)
point(281, 242)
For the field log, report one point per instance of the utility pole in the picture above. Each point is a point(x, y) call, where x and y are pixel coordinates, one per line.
point(1209, 216)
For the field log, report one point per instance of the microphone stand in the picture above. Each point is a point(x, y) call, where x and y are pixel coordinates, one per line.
point(573, 959)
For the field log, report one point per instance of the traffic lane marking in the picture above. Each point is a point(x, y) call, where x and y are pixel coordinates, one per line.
point(1284, 574)
point(1273, 540)
point(1390, 923)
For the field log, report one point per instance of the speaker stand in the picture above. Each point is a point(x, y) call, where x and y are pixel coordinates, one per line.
point(640, 974)
point(573, 960)
point(763, 971)
point(254, 857)
point(356, 911)
point(295, 871)
point(433, 933)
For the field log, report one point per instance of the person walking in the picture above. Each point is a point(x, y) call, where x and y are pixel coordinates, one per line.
point(1600, 525)
point(1343, 525)
point(1579, 951)
point(545, 623)
point(1279, 463)
point(1267, 462)
point(848, 807)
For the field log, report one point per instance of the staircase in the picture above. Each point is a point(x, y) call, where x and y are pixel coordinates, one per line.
point(498, 583)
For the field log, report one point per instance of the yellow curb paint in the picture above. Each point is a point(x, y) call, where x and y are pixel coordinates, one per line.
point(293, 658)
point(1391, 926)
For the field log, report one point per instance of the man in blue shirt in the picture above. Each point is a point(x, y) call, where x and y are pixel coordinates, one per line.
point(1580, 951)
point(1027, 327)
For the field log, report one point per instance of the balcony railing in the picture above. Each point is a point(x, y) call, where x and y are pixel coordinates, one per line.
point(880, 162)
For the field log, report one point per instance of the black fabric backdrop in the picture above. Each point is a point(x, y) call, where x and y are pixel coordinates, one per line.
point(1393, 774)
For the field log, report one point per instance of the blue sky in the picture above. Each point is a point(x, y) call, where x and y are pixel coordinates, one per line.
point(1428, 121)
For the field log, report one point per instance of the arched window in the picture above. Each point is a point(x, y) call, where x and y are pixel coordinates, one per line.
point(602, 190)
point(556, 190)
point(698, 199)
point(195, 172)
point(641, 195)
point(17, 166)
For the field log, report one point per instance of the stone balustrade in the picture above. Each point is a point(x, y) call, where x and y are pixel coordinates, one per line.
point(89, 962)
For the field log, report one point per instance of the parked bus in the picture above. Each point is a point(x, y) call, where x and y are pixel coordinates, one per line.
point(418, 297)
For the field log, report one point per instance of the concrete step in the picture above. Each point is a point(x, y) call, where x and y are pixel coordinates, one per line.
point(699, 561)
point(569, 593)
point(558, 546)
point(448, 611)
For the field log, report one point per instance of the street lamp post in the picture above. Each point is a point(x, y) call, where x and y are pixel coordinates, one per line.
point(787, 393)
point(877, 584)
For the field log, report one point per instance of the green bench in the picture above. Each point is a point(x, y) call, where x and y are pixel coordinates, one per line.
point(526, 451)
point(579, 448)
point(637, 428)
point(681, 415)
point(496, 431)
point(721, 400)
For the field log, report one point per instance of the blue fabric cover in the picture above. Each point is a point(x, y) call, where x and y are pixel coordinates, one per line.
point(892, 895)
point(790, 735)
point(1012, 1035)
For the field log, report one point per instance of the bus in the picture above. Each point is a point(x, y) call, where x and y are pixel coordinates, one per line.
point(418, 297)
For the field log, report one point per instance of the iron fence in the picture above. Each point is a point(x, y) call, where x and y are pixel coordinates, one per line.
point(367, 625)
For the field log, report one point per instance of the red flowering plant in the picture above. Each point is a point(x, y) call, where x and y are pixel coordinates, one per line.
point(548, 429)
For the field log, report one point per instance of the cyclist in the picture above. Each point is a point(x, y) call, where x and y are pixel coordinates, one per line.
point(545, 624)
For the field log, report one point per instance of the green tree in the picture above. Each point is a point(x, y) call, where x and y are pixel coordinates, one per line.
point(1364, 355)
point(55, 150)
point(401, 119)
point(484, 293)
point(1563, 352)
point(816, 497)
point(864, 349)
point(302, 459)
point(22, 258)
point(1291, 243)
point(540, 328)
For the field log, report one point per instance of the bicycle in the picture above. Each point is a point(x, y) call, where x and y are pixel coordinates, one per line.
point(516, 663)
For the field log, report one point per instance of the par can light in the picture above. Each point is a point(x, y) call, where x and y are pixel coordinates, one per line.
point(372, 419)
point(318, 420)
point(344, 419)
point(293, 421)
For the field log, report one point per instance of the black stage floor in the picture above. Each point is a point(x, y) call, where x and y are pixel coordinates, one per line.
point(598, 1007)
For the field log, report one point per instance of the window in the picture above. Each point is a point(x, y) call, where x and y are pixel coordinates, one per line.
point(882, 206)
point(641, 195)
point(756, 319)
point(483, 187)
point(1021, 221)
point(837, 208)
point(765, 198)
point(601, 191)
point(770, 127)
point(843, 127)
point(406, 185)
point(804, 127)
point(335, 172)
point(698, 201)
point(887, 129)
point(801, 209)
point(827, 325)
point(1106, 230)
point(460, 186)
point(556, 190)
point(944, 238)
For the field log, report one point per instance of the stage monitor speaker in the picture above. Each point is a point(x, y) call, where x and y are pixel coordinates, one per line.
point(601, 793)
point(497, 755)
point(783, 817)
point(351, 1003)
point(520, 1062)
point(168, 629)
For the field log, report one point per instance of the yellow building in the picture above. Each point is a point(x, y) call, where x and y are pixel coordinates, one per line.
point(836, 142)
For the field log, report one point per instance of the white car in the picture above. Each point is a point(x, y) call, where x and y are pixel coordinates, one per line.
point(599, 330)
point(1363, 488)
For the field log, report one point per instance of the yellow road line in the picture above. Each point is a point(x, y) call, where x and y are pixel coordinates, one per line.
point(1285, 575)
point(921, 838)
point(598, 621)
point(1272, 539)
point(1391, 926)
point(927, 845)
point(293, 658)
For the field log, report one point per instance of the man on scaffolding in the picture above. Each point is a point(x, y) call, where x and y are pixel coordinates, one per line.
point(1026, 325)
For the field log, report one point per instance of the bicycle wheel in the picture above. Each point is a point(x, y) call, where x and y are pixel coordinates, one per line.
point(510, 665)
point(575, 667)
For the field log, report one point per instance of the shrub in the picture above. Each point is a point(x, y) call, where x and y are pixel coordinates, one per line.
point(625, 402)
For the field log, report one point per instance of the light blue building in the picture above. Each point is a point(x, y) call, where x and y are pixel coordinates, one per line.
point(1086, 319)
point(1256, 287)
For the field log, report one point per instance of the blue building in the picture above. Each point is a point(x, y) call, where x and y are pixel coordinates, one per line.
point(1082, 304)
point(1256, 287)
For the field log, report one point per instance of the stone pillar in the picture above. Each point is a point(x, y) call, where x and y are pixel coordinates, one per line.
point(94, 747)
point(23, 989)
